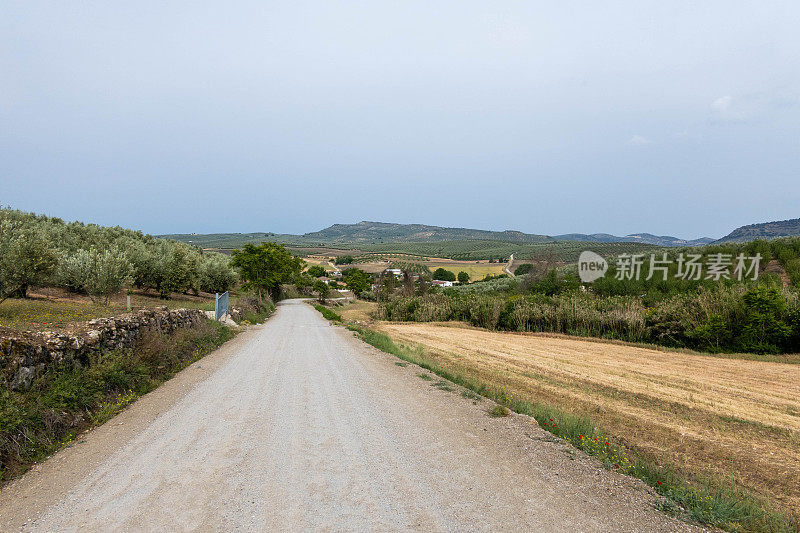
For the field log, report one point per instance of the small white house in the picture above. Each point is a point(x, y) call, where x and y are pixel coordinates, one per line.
point(441, 283)
point(396, 271)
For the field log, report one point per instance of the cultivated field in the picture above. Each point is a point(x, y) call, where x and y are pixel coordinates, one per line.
point(374, 263)
point(729, 419)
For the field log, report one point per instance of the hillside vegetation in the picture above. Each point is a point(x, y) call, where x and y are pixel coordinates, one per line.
point(465, 250)
point(380, 233)
point(755, 316)
point(766, 230)
point(37, 250)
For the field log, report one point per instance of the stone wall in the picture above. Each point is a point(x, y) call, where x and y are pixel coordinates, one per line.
point(25, 355)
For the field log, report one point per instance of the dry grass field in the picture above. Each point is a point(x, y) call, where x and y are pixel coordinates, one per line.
point(727, 419)
point(476, 269)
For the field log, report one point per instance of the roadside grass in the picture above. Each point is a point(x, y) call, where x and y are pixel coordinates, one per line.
point(424, 376)
point(46, 314)
point(68, 400)
point(499, 411)
point(39, 314)
point(444, 385)
point(705, 500)
point(327, 313)
point(466, 393)
point(251, 312)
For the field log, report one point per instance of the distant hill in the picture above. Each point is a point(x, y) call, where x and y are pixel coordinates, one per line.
point(646, 238)
point(366, 232)
point(372, 232)
point(765, 230)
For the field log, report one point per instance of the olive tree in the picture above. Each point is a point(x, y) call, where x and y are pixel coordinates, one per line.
point(109, 271)
point(216, 273)
point(98, 273)
point(26, 258)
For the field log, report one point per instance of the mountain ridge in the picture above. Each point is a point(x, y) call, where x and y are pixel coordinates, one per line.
point(372, 232)
point(763, 230)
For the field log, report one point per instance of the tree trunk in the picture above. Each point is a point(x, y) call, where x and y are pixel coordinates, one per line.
point(21, 292)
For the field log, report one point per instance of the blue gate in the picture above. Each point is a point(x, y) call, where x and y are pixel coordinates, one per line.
point(221, 305)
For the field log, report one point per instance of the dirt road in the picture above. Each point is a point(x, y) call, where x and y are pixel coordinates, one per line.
point(507, 268)
point(299, 426)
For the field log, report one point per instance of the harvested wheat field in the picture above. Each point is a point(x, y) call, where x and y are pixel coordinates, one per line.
point(729, 419)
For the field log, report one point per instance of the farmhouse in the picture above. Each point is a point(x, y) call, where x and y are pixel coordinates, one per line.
point(441, 283)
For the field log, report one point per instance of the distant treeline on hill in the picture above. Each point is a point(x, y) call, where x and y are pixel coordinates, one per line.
point(726, 314)
point(37, 250)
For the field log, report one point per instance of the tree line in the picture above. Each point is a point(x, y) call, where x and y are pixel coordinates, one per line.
point(37, 250)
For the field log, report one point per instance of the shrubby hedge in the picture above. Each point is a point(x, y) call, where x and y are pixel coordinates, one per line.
point(758, 319)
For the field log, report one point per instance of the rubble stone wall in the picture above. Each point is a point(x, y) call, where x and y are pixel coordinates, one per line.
point(25, 355)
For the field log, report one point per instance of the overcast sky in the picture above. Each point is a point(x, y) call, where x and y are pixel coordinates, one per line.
point(668, 117)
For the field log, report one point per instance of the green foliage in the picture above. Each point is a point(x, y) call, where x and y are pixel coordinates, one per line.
point(549, 285)
point(463, 277)
point(316, 271)
point(356, 280)
point(523, 269)
point(215, 273)
point(765, 328)
point(762, 319)
point(37, 250)
point(100, 274)
point(252, 311)
point(328, 314)
point(443, 274)
point(322, 289)
point(26, 256)
point(266, 267)
point(344, 260)
point(477, 249)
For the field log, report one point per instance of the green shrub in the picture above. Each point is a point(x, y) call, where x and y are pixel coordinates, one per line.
point(36, 250)
point(523, 269)
point(443, 274)
point(764, 329)
point(99, 274)
point(734, 317)
point(327, 313)
point(316, 271)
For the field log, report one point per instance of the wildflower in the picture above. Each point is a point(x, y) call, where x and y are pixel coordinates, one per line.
point(580, 436)
point(660, 484)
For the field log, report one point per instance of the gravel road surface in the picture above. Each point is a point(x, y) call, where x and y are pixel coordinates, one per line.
point(296, 425)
